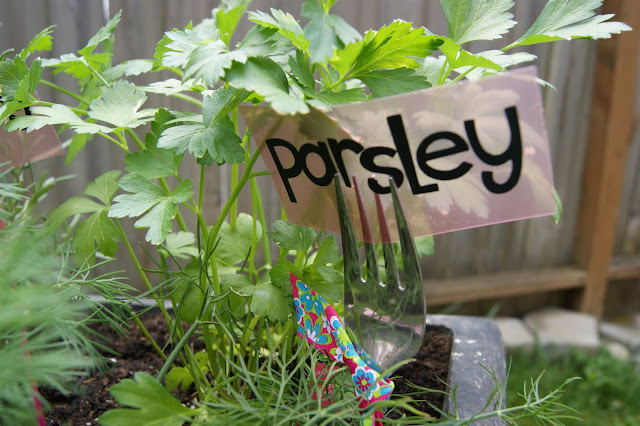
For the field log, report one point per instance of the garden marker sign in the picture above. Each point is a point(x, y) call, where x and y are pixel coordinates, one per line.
point(20, 148)
point(465, 155)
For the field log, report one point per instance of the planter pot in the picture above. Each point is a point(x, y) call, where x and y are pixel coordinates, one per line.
point(477, 342)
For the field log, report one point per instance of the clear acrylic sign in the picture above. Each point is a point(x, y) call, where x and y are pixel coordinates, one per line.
point(469, 154)
point(20, 148)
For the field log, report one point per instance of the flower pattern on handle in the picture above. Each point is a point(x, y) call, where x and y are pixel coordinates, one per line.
point(322, 328)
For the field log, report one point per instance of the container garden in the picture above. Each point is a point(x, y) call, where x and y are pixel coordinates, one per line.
point(232, 327)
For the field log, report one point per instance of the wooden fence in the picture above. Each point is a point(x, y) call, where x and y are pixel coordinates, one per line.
point(591, 120)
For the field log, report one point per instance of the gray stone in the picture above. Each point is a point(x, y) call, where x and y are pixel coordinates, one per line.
point(515, 333)
point(618, 350)
point(625, 334)
point(563, 329)
point(477, 346)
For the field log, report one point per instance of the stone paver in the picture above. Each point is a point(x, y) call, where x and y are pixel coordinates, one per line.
point(628, 335)
point(564, 328)
point(515, 334)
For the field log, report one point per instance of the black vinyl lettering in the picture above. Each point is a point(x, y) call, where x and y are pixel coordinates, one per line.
point(322, 151)
point(337, 148)
point(513, 153)
point(423, 156)
point(399, 135)
point(291, 172)
point(367, 161)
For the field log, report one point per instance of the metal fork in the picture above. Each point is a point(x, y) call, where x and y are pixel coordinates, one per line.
point(388, 319)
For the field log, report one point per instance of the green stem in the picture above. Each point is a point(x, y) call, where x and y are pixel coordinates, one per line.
point(146, 334)
point(258, 174)
point(187, 98)
point(258, 202)
point(179, 218)
point(136, 139)
point(66, 92)
point(97, 74)
point(442, 77)
point(201, 191)
point(463, 75)
point(176, 350)
point(76, 110)
point(123, 142)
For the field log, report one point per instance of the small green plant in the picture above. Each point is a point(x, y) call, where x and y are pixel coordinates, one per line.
point(241, 308)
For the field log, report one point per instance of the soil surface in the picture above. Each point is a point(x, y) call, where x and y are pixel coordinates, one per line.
point(90, 397)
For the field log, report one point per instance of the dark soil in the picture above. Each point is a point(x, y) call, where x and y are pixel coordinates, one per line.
point(91, 396)
point(430, 370)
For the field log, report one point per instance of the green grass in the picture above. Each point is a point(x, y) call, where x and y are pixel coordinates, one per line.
point(607, 394)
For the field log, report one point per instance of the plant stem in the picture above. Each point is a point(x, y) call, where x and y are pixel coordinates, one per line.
point(176, 350)
point(65, 91)
point(49, 104)
point(187, 98)
point(136, 139)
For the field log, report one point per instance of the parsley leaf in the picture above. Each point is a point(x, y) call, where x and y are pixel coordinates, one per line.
point(180, 245)
point(267, 79)
point(325, 32)
point(55, 114)
point(103, 34)
point(458, 57)
point(41, 42)
point(394, 81)
point(158, 206)
point(292, 237)
point(564, 20)
point(216, 137)
point(155, 162)
point(234, 244)
point(119, 106)
point(393, 46)
point(153, 402)
point(227, 16)
point(96, 231)
point(284, 23)
point(471, 20)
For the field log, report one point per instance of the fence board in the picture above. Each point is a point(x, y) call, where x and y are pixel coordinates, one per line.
point(523, 245)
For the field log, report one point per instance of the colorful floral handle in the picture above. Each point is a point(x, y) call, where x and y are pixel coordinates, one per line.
point(319, 323)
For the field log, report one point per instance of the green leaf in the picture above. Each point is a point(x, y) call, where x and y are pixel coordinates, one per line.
point(260, 41)
point(103, 34)
point(425, 246)
point(240, 284)
point(268, 302)
point(155, 162)
point(565, 20)
point(302, 72)
point(119, 106)
point(160, 207)
point(393, 46)
point(227, 16)
point(325, 32)
point(55, 114)
point(27, 87)
point(284, 23)
point(181, 43)
point(266, 78)
point(210, 60)
point(280, 278)
point(178, 377)
point(392, 82)
point(41, 42)
point(71, 207)
point(128, 68)
point(458, 57)
point(153, 402)
point(292, 237)
point(234, 244)
point(325, 280)
point(499, 58)
point(347, 96)
point(471, 20)
point(78, 141)
point(96, 231)
point(219, 141)
point(12, 72)
point(104, 187)
point(186, 294)
point(171, 86)
point(180, 245)
point(79, 67)
point(327, 252)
